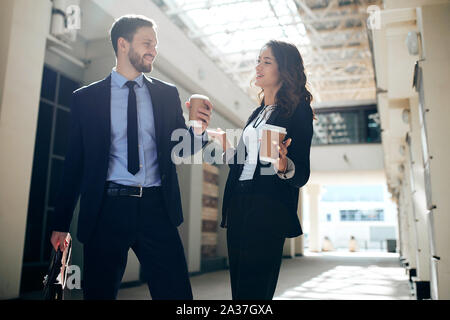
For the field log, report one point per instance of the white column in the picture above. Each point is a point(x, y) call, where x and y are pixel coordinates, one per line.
point(407, 250)
point(294, 246)
point(191, 187)
point(406, 204)
point(289, 248)
point(401, 236)
point(434, 24)
point(23, 30)
point(313, 192)
point(418, 195)
point(299, 247)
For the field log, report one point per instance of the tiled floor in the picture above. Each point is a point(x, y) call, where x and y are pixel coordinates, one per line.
point(344, 276)
point(335, 275)
point(315, 276)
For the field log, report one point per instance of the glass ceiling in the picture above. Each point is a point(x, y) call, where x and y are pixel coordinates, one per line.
point(330, 34)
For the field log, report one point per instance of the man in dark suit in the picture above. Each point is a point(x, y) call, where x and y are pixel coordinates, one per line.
point(119, 161)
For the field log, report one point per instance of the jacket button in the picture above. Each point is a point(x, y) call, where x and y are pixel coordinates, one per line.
point(163, 177)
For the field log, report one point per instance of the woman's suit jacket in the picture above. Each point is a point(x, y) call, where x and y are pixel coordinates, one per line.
point(276, 198)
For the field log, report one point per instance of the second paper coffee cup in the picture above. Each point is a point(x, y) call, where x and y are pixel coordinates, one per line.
point(272, 137)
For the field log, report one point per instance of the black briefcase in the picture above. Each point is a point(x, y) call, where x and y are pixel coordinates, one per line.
point(55, 279)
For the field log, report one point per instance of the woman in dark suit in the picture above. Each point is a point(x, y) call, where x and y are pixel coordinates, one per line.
point(260, 201)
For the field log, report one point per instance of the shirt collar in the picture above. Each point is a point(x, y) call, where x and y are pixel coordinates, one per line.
point(120, 80)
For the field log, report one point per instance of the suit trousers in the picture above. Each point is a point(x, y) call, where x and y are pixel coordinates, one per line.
point(141, 224)
point(254, 253)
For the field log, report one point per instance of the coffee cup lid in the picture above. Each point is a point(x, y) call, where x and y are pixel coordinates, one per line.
point(199, 96)
point(274, 128)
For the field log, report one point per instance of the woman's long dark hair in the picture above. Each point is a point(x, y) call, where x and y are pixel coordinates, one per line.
point(293, 89)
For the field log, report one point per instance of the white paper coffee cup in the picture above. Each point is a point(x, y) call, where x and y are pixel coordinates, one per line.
point(272, 137)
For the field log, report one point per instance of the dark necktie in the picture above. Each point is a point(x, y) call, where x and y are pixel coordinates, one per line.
point(132, 130)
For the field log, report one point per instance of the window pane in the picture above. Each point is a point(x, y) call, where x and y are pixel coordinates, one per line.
point(373, 126)
point(358, 125)
point(320, 129)
point(36, 204)
point(343, 127)
point(362, 215)
point(66, 87)
point(48, 88)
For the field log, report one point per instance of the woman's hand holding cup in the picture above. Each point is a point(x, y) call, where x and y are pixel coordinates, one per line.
point(281, 164)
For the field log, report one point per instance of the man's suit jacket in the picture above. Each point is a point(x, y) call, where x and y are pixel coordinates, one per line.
point(278, 198)
point(87, 157)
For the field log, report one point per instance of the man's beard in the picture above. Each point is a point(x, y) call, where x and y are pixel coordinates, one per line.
point(138, 62)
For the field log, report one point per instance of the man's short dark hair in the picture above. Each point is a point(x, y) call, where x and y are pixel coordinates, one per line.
point(126, 27)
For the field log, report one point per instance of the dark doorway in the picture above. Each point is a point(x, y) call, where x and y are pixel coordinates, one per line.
point(49, 152)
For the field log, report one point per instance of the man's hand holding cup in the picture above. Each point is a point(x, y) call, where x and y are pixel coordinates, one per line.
point(200, 109)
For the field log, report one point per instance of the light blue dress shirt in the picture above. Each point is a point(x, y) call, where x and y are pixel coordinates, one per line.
point(148, 175)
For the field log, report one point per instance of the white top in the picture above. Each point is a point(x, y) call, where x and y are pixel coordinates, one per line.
point(251, 138)
point(252, 143)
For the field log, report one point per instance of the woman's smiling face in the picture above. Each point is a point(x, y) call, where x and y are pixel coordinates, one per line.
point(267, 74)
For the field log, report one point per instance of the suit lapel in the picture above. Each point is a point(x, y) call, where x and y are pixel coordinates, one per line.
point(250, 119)
point(273, 116)
point(253, 115)
point(272, 119)
point(156, 97)
point(103, 101)
point(241, 140)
